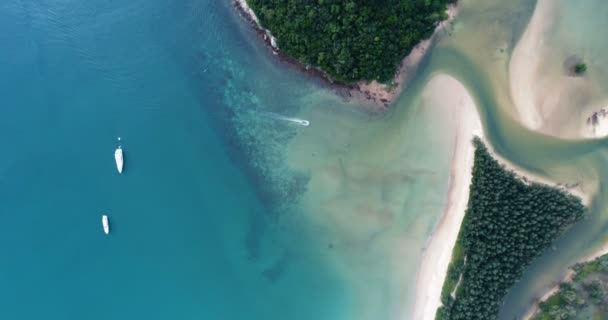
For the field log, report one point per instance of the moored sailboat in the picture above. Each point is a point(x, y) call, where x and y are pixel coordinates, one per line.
point(119, 159)
point(105, 223)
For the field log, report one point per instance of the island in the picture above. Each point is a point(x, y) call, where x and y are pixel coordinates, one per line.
point(351, 42)
point(509, 221)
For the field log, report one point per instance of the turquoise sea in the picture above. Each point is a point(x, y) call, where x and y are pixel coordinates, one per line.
point(225, 211)
point(194, 234)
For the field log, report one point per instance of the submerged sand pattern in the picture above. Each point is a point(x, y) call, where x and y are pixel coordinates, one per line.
point(386, 193)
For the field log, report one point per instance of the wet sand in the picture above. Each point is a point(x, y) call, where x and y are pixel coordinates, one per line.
point(450, 93)
point(408, 67)
point(546, 94)
point(439, 247)
point(524, 62)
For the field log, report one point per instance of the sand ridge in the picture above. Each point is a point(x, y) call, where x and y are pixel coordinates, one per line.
point(437, 255)
point(547, 96)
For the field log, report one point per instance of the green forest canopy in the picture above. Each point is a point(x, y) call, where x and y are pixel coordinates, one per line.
point(350, 40)
point(507, 224)
point(584, 297)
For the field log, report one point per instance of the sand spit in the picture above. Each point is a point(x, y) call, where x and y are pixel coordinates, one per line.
point(379, 95)
point(583, 191)
point(437, 255)
point(524, 61)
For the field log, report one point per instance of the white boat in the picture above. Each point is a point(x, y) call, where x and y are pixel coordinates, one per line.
point(301, 122)
point(118, 158)
point(105, 223)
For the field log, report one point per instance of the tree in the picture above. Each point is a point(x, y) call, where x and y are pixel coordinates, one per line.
point(580, 68)
point(507, 224)
point(596, 292)
point(350, 40)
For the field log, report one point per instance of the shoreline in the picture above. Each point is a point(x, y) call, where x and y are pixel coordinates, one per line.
point(376, 95)
point(540, 96)
point(525, 59)
point(437, 254)
point(603, 250)
point(529, 178)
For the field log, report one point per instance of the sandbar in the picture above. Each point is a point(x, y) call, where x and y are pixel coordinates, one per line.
point(438, 253)
point(436, 257)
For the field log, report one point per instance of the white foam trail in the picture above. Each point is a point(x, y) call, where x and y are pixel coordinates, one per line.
point(299, 121)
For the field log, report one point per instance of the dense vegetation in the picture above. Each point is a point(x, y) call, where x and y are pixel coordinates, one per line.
point(585, 297)
point(506, 225)
point(580, 68)
point(350, 40)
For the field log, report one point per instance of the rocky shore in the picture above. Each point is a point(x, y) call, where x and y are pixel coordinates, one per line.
point(378, 96)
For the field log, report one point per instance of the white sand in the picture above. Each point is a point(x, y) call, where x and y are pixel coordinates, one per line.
point(437, 255)
point(546, 98)
point(433, 268)
point(525, 61)
point(599, 129)
point(408, 67)
point(376, 191)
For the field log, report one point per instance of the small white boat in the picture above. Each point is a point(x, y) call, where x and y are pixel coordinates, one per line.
point(301, 122)
point(105, 223)
point(118, 158)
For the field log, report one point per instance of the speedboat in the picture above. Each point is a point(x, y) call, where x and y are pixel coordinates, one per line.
point(118, 158)
point(301, 122)
point(105, 223)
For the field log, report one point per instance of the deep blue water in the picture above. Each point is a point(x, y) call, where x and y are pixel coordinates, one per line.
point(190, 237)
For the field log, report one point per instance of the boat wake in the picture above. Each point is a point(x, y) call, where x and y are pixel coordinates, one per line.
point(299, 121)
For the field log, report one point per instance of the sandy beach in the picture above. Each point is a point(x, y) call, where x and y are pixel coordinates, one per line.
point(597, 123)
point(524, 61)
point(536, 107)
point(437, 255)
point(543, 86)
point(408, 67)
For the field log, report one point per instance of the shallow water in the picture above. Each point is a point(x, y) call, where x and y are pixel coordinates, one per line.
point(222, 211)
point(476, 50)
point(482, 68)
